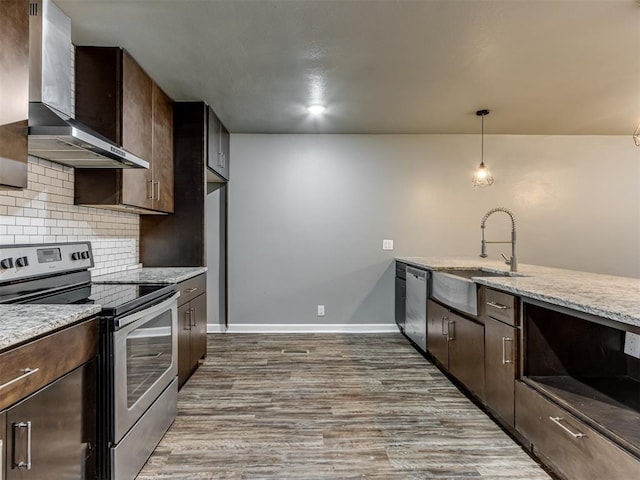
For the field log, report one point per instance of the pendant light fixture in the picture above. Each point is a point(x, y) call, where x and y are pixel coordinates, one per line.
point(636, 136)
point(482, 176)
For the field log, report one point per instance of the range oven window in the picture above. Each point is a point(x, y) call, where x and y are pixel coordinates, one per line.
point(148, 355)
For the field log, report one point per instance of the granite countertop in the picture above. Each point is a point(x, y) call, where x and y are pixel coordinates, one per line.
point(160, 275)
point(607, 296)
point(20, 323)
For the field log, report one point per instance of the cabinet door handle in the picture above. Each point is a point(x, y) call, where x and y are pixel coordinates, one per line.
point(558, 420)
point(451, 330)
point(158, 188)
point(444, 332)
point(221, 159)
point(505, 361)
point(1, 457)
point(187, 319)
point(27, 371)
point(150, 189)
point(499, 306)
point(193, 317)
point(26, 463)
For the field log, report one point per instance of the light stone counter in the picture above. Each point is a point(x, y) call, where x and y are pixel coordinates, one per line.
point(607, 296)
point(20, 323)
point(159, 275)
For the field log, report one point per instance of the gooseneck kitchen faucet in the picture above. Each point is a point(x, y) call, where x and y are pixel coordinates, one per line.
point(512, 262)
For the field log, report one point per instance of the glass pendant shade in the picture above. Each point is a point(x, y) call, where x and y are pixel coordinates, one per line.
point(636, 136)
point(482, 176)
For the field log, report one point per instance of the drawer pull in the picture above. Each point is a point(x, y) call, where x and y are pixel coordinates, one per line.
point(26, 463)
point(558, 420)
point(190, 290)
point(505, 360)
point(27, 372)
point(499, 306)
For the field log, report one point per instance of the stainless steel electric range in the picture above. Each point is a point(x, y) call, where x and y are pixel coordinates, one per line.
point(137, 374)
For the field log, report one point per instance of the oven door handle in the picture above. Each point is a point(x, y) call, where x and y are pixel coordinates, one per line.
point(147, 312)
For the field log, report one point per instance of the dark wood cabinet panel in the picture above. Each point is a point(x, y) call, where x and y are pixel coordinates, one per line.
point(466, 352)
point(458, 344)
point(3, 442)
point(116, 98)
point(198, 329)
point(192, 326)
point(219, 147)
point(178, 240)
point(98, 81)
point(437, 342)
point(14, 93)
point(137, 107)
point(162, 146)
point(184, 343)
point(501, 343)
point(81, 342)
point(566, 443)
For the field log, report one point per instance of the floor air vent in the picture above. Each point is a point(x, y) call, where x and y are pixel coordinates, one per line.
point(294, 351)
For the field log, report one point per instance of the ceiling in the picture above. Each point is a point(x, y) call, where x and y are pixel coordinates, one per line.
point(386, 66)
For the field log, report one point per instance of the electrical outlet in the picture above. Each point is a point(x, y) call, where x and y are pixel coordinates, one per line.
point(632, 344)
point(321, 310)
point(387, 244)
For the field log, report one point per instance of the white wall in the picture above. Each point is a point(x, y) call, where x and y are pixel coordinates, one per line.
point(308, 213)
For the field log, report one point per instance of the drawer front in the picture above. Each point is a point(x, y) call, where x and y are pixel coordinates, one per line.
point(26, 369)
point(190, 289)
point(567, 444)
point(501, 306)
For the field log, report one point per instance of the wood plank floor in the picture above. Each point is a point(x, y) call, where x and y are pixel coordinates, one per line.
point(354, 406)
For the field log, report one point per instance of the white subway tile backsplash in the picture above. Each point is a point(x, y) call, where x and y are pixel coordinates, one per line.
point(45, 212)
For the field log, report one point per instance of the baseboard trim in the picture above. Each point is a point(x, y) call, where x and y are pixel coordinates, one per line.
point(307, 328)
point(215, 328)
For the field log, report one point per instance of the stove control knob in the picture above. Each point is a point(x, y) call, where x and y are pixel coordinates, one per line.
point(75, 256)
point(6, 263)
point(22, 262)
point(84, 255)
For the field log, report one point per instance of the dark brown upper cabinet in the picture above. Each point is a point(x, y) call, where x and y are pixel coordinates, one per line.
point(116, 98)
point(218, 154)
point(14, 93)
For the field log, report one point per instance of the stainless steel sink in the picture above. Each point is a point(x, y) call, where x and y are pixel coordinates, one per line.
point(456, 289)
point(476, 272)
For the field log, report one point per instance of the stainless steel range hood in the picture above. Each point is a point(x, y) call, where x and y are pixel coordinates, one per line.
point(53, 132)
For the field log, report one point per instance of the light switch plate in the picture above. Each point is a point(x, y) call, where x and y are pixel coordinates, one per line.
point(632, 344)
point(387, 244)
point(321, 310)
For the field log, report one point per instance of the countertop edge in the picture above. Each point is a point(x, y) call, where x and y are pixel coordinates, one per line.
point(544, 284)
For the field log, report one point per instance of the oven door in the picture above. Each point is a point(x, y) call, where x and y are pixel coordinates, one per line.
point(145, 361)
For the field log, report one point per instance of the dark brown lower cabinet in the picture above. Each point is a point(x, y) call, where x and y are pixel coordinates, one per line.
point(3, 443)
point(192, 326)
point(437, 343)
point(466, 352)
point(458, 344)
point(501, 342)
point(566, 443)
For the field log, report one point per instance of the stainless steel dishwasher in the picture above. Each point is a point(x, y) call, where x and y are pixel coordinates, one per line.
point(416, 307)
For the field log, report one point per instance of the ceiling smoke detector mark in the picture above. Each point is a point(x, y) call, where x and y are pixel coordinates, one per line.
point(294, 351)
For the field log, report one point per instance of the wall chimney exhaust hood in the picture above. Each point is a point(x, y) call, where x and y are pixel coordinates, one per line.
point(53, 132)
